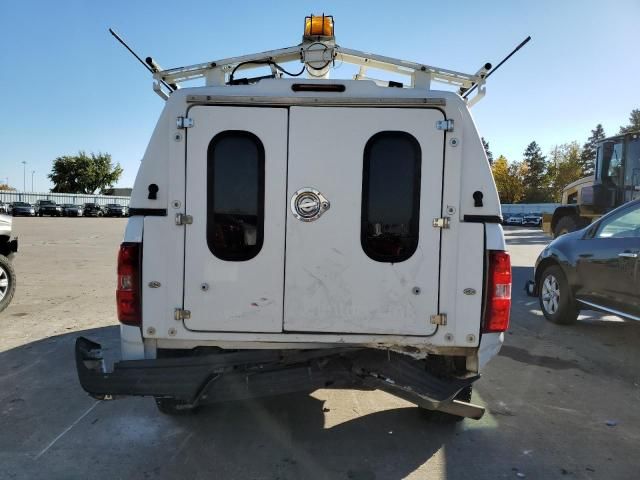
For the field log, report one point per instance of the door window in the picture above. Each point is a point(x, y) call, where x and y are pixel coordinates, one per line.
point(612, 154)
point(235, 195)
point(390, 196)
point(632, 168)
point(624, 225)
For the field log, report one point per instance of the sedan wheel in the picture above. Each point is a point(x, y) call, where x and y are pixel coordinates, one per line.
point(551, 294)
point(556, 300)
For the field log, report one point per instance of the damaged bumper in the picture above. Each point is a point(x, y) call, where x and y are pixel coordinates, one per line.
point(247, 374)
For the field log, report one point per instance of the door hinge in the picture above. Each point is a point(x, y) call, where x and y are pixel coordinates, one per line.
point(184, 122)
point(442, 222)
point(180, 314)
point(439, 319)
point(446, 125)
point(182, 219)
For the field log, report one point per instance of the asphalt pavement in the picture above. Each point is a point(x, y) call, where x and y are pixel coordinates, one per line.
point(562, 402)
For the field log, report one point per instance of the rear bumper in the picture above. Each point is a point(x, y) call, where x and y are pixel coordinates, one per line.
point(259, 373)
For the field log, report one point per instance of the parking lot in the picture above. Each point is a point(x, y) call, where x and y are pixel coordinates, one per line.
point(562, 402)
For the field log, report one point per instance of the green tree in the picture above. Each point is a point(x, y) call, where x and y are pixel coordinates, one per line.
point(485, 144)
point(536, 180)
point(84, 173)
point(565, 167)
point(634, 122)
point(509, 180)
point(588, 154)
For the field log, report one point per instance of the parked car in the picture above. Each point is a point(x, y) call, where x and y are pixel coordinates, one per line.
point(596, 268)
point(92, 210)
point(22, 209)
point(514, 220)
point(48, 207)
point(532, 220)
point(71, 210)
point(113, 210)
point(4, 207)
point(8, 246)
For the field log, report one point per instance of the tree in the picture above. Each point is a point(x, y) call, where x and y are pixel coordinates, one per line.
point(536, 179)
point(565, 167)
point(6, 187)
point(485, 144)
point(634, 122)
point(588, 154)
point(509, 180)
point(84, 173)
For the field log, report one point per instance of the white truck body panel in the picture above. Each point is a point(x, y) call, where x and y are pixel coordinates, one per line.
point(237, 296)
point(331, 284)
point(461, 247)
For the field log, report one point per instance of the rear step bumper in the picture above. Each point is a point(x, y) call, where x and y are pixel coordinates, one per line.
point(260, 373)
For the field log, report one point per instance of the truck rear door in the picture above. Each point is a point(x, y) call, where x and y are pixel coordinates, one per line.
point(236, 173)
point(366, 258)
point(313, 219)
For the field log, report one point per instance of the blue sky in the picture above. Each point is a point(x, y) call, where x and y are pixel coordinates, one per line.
point(67, 85)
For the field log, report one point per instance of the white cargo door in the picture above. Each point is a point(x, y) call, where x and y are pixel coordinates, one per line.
point(236, 193)
point(369, 263)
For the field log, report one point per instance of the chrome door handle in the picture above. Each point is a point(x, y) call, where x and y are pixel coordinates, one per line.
point(628, 255)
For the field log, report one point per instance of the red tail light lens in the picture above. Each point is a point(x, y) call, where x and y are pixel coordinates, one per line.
point(128, 293)
point(496, 318)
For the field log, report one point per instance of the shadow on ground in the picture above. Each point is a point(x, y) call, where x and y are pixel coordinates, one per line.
point(58, 430)
point(526, 237)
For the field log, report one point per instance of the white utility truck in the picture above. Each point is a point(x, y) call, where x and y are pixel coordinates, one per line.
point(289, 234)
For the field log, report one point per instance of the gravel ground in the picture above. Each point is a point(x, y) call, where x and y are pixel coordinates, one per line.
point(562, 401)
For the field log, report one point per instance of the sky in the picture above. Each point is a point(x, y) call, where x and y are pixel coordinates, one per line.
point(68, 86)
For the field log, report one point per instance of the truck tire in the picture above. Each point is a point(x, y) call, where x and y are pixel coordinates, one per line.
point(556, 301)
point(171, 406)
point(7, 282)
point(566, 224)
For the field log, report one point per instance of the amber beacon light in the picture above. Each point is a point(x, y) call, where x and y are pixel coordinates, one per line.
point(318, 26)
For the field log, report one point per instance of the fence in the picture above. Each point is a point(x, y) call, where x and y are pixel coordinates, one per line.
point(528, 208)
point(75, 198)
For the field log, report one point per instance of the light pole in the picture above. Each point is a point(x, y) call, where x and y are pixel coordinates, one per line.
point(33, 172)
point(24, 175)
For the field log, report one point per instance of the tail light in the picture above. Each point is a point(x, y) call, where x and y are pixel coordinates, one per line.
point(498, 306)
point(128, 291)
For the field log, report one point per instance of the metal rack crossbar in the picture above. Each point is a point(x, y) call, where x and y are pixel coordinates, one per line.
point(325, 52)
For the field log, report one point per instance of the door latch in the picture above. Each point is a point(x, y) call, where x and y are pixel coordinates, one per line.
point(445, 125)
point(442, 222)
point(184, 122)
point(180, 314)
point(439, 319)
point(182, 219)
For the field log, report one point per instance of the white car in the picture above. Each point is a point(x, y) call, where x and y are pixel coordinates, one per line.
point(8, 247)
point(290, 234)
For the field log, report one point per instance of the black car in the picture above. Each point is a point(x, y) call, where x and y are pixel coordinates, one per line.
point(92, 210)
point(596, 268)
point(71, 210)
point(113, 210)
point(48, 207)
point(23, 209)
